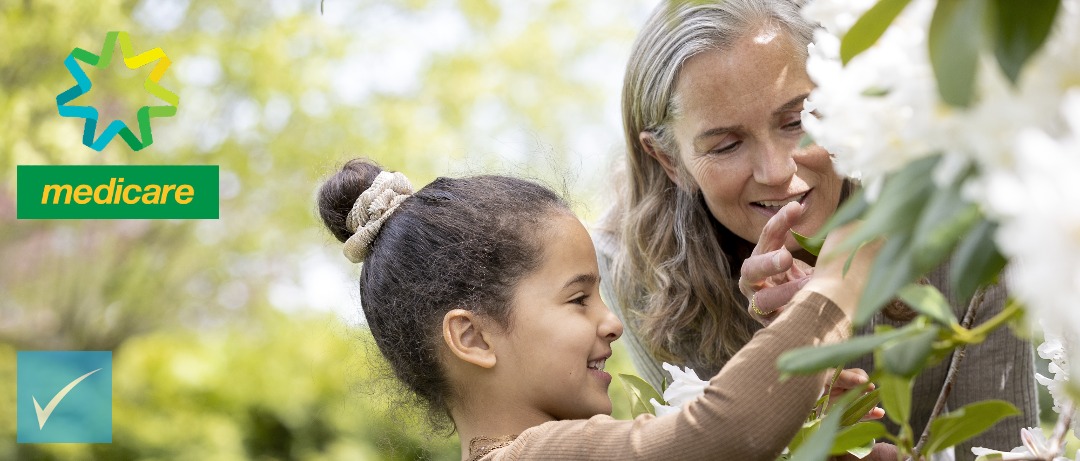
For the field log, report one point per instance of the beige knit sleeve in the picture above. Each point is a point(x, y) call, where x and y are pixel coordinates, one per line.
point(747, 413)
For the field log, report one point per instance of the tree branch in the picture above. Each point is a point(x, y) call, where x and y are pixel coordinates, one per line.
point(950, 377)
point(1057, 439)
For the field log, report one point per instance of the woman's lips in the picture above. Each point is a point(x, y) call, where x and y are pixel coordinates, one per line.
point(771, 207)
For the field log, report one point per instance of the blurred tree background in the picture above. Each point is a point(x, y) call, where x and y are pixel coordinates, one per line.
point(241, 338)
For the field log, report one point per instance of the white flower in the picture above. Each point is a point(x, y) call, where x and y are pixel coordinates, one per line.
point(836, 16)
point(1036, 203)
point(882, 111)
point(685, 388)
point(1057, 349)
point(1034, 446)
point(663, 410)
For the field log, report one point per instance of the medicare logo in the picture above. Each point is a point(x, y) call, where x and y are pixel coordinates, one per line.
point(117, 191)
point(64, 396)
point(144, 114)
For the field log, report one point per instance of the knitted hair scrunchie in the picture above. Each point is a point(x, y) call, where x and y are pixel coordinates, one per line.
point(371, 209)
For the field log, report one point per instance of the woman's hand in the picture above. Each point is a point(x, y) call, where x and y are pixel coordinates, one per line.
point(849, 379)
point(771, 276)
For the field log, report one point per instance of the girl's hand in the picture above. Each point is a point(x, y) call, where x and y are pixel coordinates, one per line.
point(830, 279)
point(771, 276)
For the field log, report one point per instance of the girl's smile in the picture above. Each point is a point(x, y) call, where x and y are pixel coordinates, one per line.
point(561, 332)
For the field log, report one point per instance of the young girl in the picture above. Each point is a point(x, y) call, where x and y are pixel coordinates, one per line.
point(483, 295)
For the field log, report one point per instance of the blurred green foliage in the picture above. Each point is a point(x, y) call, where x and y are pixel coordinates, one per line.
point(212, 361)
point(282, 387)
point(278, 96)
point(278, 387)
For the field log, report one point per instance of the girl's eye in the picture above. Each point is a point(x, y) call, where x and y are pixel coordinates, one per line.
point(727, 148)
point(580, 300)
point(797, 124)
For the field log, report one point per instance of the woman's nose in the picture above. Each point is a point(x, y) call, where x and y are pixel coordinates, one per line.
point(774, 164)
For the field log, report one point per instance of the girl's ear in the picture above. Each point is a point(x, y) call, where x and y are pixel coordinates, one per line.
point(464, 334)
point(652, 147)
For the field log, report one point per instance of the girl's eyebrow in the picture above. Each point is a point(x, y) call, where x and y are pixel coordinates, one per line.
point(583, 278)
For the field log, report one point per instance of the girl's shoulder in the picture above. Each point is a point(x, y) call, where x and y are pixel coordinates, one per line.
point(479, 447)
point(564, 439)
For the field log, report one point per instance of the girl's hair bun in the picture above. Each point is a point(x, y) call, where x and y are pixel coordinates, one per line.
point(339, 193)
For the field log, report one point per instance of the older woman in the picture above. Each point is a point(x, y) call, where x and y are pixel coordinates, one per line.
point(711, 113)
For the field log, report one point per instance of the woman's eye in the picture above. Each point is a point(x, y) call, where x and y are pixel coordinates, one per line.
point(727, 148)
point(792, 121)
point(579, 300)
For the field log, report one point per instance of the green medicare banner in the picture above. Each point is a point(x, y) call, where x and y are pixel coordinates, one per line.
point(117, 191)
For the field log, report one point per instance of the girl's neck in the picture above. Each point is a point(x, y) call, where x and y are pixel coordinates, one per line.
point(493, 419)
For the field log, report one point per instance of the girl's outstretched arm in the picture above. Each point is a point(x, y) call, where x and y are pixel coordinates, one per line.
point(747, 413)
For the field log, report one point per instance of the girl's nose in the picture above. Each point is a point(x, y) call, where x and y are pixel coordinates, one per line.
point(611, 328)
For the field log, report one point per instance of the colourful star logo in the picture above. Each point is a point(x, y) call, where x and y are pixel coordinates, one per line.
point(145, 113)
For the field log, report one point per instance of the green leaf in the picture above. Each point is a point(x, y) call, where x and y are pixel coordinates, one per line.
point(807, 360)
point(804, 433)
point(901, 201)
point(927, 300)
point(852, 209)
point(907, 356)
point(640, 407)
point(860, 408)
point(640, 391)
point(1020, 29)
point(892, 269)
point(868, 29)
point(819, 443)
point(858, 436)
point(875, 92)
point(976, 262)
point(862, 452)
point(946, 218)
point(903, 198)
point(955, 32)
point(850, 258)
point(819, 403)
point(967, 422)
point(895, 397)
point(811, 244)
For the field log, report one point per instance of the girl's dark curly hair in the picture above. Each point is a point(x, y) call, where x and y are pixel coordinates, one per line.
point(456, 243)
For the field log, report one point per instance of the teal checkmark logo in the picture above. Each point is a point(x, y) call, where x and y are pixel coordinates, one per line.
point(43, 414)
point(78, 388)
